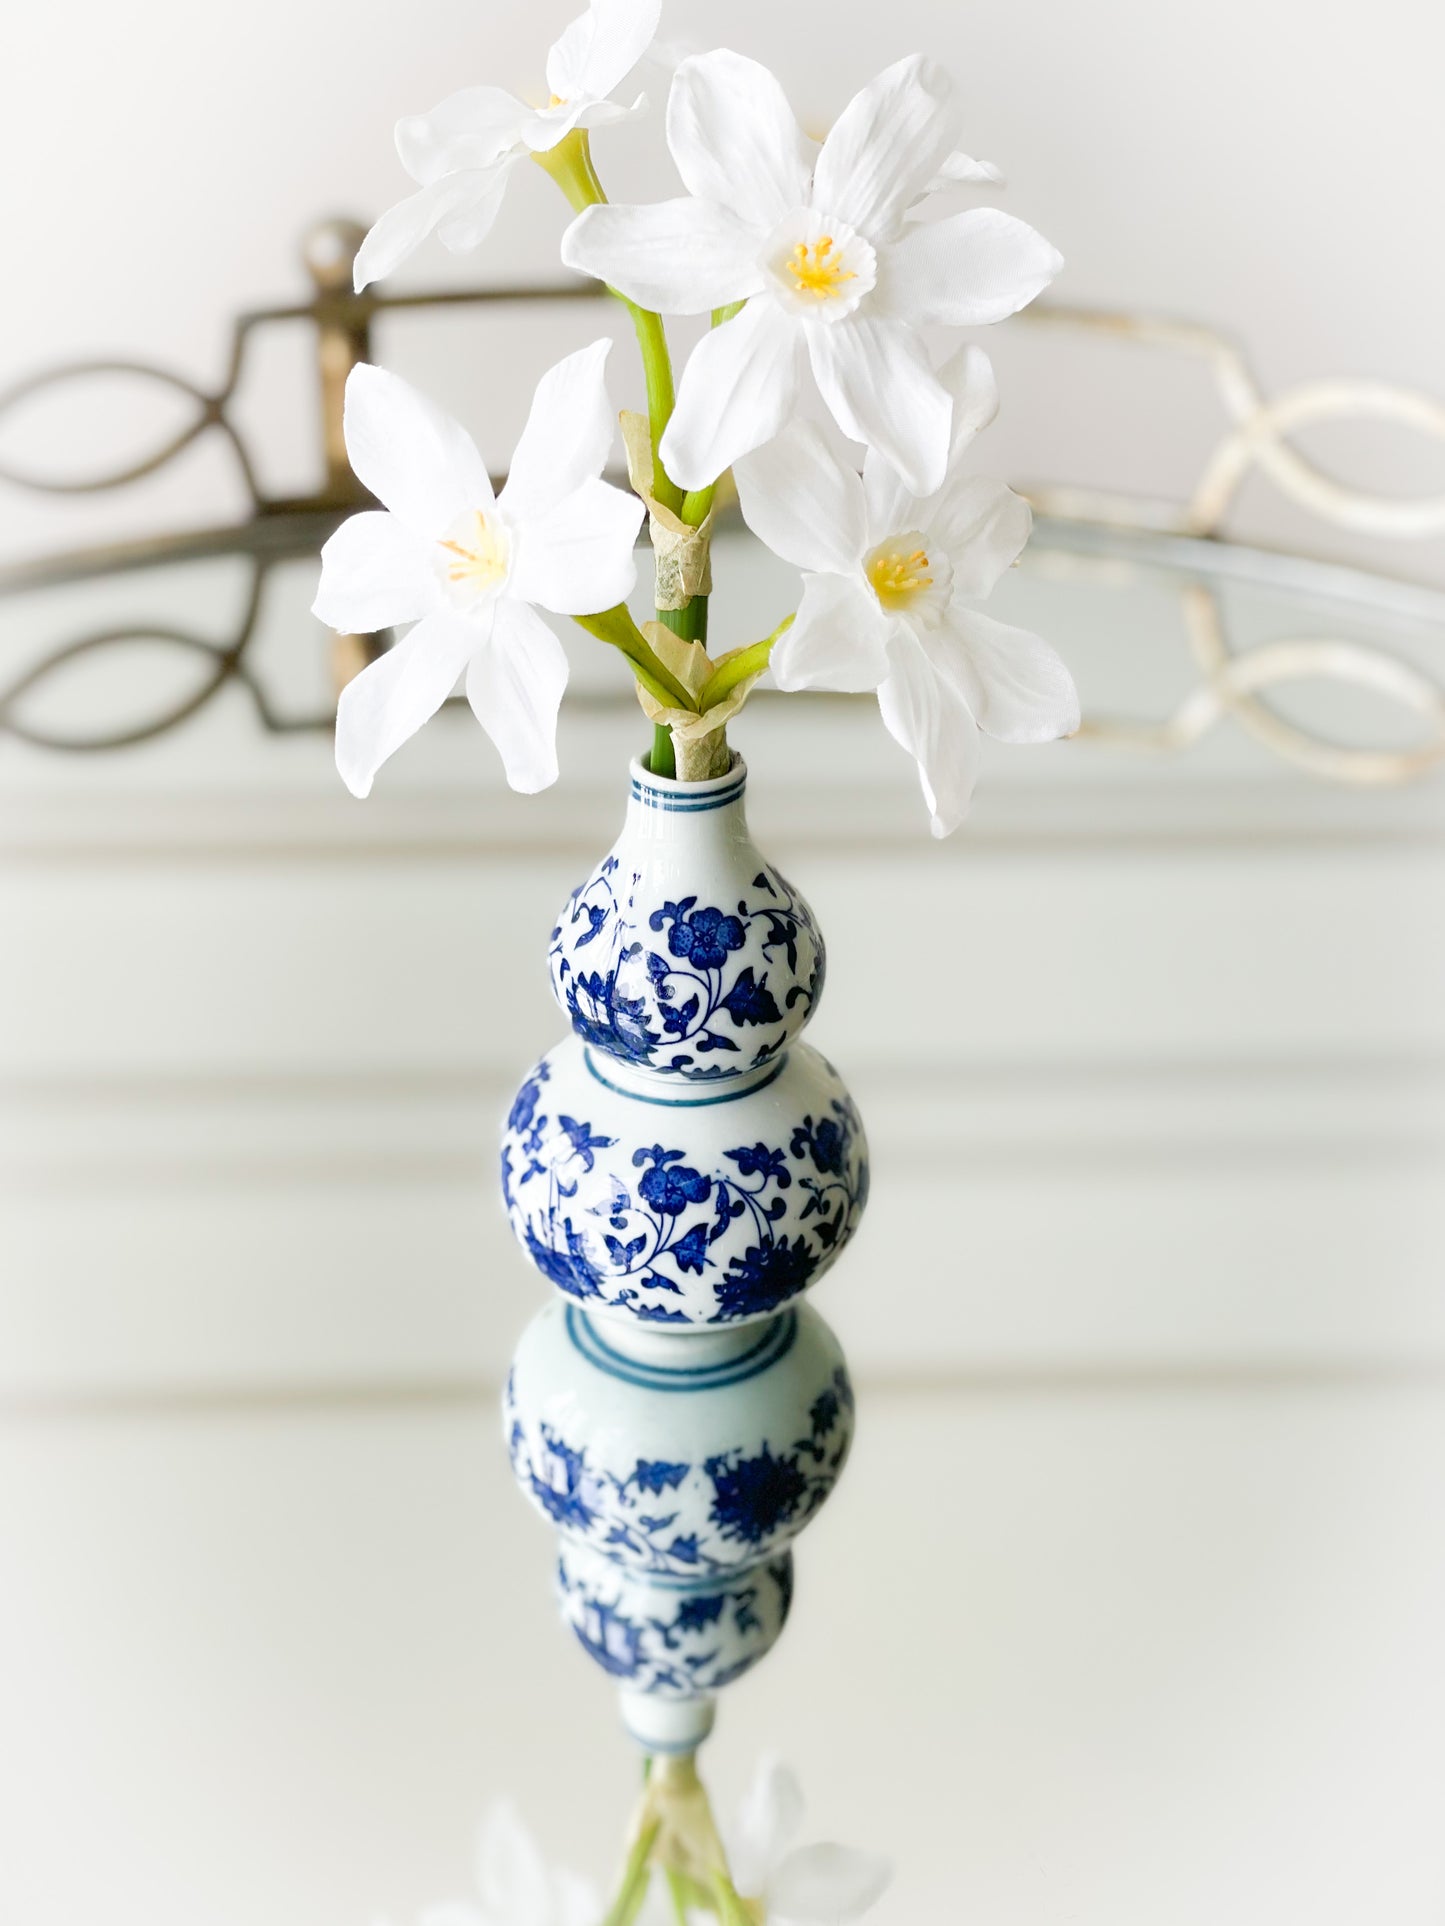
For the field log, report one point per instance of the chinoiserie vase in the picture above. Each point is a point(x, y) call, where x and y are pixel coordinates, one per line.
point(682, 1168)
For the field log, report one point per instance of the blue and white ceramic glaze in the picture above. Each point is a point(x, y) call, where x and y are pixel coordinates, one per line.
point(681, 1169)
point(700, 1207)
point(681, 1467)
point(685, 951)
point(675, 1641)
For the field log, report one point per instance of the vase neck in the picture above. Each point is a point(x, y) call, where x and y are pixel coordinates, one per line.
point(660, 809)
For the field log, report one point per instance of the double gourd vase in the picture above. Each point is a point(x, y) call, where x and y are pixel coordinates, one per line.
point(682, 1168)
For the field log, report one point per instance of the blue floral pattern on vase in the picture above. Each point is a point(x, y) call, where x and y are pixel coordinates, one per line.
point(679, 1518)
point(687, 987)
point(712, 1223)
point(678, 1643)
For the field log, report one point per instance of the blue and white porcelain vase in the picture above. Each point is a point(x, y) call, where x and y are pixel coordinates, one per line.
point(682, 1168)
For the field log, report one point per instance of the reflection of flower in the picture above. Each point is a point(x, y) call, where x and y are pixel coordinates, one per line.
point(822, 1885)
point(462, 152)
point(814, 245)
point(515, 1886)
point(889, 591)
point(471, 569)
point(755, 1497)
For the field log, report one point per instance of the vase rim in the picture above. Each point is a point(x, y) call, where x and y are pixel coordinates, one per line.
point(732, 778)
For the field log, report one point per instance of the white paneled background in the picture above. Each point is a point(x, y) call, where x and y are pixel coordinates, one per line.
point(1129, 1611)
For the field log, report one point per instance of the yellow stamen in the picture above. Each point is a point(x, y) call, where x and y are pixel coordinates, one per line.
point(897, 578)
point(817, 269)
point(481, 560)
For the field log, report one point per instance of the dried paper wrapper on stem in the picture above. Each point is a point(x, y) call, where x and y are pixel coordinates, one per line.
point(700, 742)
point(683, 553)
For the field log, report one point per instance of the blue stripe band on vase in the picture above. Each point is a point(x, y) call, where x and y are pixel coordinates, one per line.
point(775, 1342)
point(713, 1096)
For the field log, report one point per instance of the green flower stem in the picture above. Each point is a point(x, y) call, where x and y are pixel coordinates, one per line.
point(686, 1895)
point(730, 1908)
point(663, 760)
point(617, 627)
point(636, 1876)
point(570, 165)
point(691, 624)
point(737, 668)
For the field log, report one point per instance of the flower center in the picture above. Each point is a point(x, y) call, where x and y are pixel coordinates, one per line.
point(475, 556)
point(908, 579)
point(820, 269)
point(817, 268)
point(897, 577)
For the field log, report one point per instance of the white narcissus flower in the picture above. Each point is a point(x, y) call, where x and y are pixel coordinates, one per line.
point(471, 569)
point(462, 151)
point(889, 589)
point(817, 243)
point(515, 1887)
point(821, 1885)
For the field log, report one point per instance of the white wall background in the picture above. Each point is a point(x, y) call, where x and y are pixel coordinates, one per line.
point(1269, 166)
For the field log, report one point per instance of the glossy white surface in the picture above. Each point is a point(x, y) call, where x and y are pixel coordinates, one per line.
point(1126, 1654)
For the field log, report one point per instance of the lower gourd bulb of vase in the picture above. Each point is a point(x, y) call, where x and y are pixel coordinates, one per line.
point(671, 1647)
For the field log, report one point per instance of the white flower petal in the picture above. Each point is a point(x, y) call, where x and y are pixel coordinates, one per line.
point(827, 1884)
point(567, 437)
point(413, 457)
point(878, 383)
point(403, 228)
point(803, 501)
point(892, 505)
point(601, 47)
point(968, 376)
point(886, 145)
point(468, 225)
point(768, 1820)
point(470, 129)
point(388, 702)
point(606, 113)
point(974, 267)
point(511, 1874)
point(676, 257)
point(577, 557)
point(547, 125)
point(838, 638)
point(375, 572)
point(961, 170)
point(575, 1902)
point(735, 139)
point(738, 389)
point(982, 526)
point(1017, 686)
point(515, 684)
point(923, 712)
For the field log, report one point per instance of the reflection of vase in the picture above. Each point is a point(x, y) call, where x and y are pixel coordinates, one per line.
point(682, 1169)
